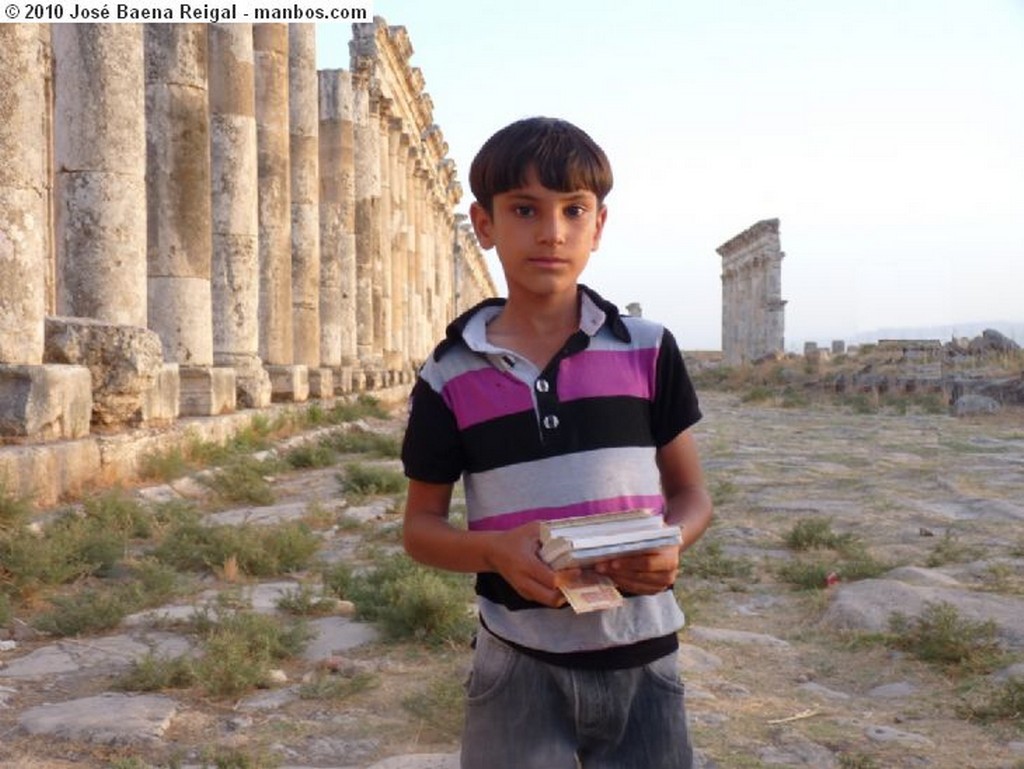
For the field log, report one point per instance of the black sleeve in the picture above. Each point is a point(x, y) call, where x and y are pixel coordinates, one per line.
point(431, 449)
point(675, 406)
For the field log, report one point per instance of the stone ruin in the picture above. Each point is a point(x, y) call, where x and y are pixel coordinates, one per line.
point(194, 220)
point(753, 310)
point(971, 375)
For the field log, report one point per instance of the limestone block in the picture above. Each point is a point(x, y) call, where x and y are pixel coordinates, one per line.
point(972, 405)
point(123, 455)
point(289, 383)
point(45, 402)
point(207, 391)
point(321, 383)
point(162, 402)
point(124, 362)
point(45, 473)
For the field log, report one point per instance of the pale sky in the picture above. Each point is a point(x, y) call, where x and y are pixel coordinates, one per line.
point(886, 135)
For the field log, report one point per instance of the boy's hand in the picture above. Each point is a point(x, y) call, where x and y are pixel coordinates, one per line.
point(644, 573)
point(515, 557)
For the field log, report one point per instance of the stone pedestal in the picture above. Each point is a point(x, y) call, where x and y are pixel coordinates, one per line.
point(161, 403)
point(252, 385)
point(42, 403)
point(321, 383)
point(207, 391)
point(343, 380)
point(290, 384)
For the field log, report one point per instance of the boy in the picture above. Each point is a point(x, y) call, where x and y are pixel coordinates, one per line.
point(548, 405)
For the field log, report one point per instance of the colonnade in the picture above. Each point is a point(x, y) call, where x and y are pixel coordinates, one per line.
point(753, 311)
point(194, 219)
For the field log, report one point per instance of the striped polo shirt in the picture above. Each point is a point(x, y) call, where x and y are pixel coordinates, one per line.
point(577, 438)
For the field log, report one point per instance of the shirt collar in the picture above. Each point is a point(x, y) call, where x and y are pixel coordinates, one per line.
point(470, 328)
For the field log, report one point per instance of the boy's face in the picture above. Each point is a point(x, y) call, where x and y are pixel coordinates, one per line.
point(543, 237)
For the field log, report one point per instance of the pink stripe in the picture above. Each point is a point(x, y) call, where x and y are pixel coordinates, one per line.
point(477, 396)
point(607, 372)
point(507, 521)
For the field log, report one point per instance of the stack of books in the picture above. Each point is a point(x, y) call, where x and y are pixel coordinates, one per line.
point(578, 542)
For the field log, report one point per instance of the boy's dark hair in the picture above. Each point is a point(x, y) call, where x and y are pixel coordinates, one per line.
point(565, 158)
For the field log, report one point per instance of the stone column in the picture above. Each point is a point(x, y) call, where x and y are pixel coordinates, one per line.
point(426, 249)
point(49, 173)
point(367, 176)
point(235, 238)
point(417, 289)
point(304, 126)
point(398, 151)
point(728, 302)
point(775, 305)
point(100, 154)
point(22, 196)
point(383, 272)
point(36, 401)
point(289, 381)
point(100, 225)
point(178, 212)
point(337, 227)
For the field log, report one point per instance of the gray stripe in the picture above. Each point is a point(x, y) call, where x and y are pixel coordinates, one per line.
point(561, 630)
point(563, 480)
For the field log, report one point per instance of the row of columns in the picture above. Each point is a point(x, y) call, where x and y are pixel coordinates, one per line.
point(278, 228)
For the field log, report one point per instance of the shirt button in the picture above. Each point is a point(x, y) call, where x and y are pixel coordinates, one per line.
point(542, 386)
point(550, 422)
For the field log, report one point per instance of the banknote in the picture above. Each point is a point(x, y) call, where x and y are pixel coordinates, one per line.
point(590, 591)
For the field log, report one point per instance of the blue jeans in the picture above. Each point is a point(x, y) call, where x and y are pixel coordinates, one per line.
point(522, 713)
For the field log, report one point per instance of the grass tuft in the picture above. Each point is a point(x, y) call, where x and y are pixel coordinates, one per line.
point(941, 636)
point(410, 601)
point(258, 551)
point(369, 481)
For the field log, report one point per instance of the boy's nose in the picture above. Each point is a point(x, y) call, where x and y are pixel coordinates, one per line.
point(551, 230)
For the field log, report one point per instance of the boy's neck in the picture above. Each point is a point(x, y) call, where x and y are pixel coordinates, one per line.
point(541, 315)
point(535, 327)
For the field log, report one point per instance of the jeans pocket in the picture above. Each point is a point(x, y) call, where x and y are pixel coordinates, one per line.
point(664, 671)
point(493, 662)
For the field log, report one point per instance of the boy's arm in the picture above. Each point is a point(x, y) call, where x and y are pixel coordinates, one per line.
point(431, 539)
point(688, 505)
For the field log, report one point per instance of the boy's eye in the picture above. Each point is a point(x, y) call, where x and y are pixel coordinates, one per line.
point(575, 211)
point(522, 210)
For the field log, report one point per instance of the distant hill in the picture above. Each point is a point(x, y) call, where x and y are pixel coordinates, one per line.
point(1012, 329)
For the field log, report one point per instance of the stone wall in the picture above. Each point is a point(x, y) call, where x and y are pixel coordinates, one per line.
point(194, 221)
point(753, 311)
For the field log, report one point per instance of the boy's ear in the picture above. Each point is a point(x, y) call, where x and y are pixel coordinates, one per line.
point(602, 216)
point(483, 225)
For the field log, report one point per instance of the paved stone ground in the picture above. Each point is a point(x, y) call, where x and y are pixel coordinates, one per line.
point(776, 676)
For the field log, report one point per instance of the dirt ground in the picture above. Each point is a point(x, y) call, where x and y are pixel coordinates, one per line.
point(788, 690)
